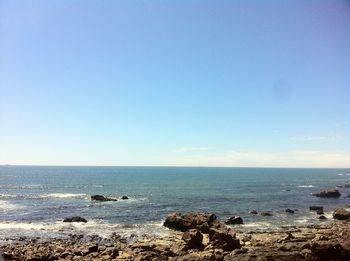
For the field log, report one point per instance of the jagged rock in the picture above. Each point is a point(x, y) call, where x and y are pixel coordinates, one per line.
point(124, 197)
point(341, 214)
point(322, 217)
point(331, 193)
point(288, 210)
point(234, 220)
point(224, 239)
point(197, 220)
point(75, 219)
point(193, 238)
point(102, 198)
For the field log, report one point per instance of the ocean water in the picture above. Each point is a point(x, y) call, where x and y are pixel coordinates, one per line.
point(34, 200)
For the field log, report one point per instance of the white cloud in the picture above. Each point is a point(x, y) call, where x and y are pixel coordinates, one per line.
point(315, 159)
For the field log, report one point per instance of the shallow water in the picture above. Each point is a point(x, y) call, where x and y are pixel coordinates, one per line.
point(34, 200)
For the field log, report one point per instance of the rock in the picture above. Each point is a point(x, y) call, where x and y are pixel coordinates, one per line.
point(193, 238)
point(101, 198)
point(266, 214)
point(254, 212)
point(234, 220)
point(319, 212)
point(322, 217)
point(224, 239)
point(331, 193)
point(124, 197)
point(288, 210)
point(341, 214)
point(315, 208)
point(93, 248)
point(197, 220)
point(75, 219)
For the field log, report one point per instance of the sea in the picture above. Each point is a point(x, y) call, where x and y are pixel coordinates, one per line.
point(35, 199)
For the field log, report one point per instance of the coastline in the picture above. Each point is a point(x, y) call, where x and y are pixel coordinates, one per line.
point(314, 242)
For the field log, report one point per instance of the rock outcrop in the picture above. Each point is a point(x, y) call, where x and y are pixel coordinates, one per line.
point(193, 238)
point(330, 193)
point(234, 220)
point(341, 214)
point(197, 220)
point(102, 198)
point(75, 219)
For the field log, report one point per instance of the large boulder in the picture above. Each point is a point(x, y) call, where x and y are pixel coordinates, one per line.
point(101, 198)
point(197, 220)
point(193, 238)
point(341, 214)
point(330, 193)
point(75, 219)
point(234, 220)
point(223, 238)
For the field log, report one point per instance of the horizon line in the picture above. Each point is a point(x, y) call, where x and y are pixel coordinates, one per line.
point(165, 166)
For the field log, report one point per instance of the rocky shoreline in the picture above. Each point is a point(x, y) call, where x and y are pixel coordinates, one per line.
point(197, 236)
point(199, 241)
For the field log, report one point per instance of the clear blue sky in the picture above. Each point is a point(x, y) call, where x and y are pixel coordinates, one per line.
point(197, 83)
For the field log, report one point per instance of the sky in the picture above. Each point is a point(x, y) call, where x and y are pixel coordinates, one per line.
point(175, 83)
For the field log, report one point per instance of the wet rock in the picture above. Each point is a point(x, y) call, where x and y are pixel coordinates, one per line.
point(234, 220)
point(290, 211)
point(254, 212)
point(101, 198)
point(319, 212)
point(331, 193)
point(341, 214)
point(193, 238)
point(124, 197)
point(322, 217)
point(75, 219)
point(197, 220)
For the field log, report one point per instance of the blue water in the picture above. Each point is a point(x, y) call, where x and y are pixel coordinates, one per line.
point(34, 200)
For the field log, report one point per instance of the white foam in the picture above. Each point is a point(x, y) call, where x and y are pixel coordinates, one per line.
point(24, 226)
point(305, 186)
point(340, 174)
point(97, 227)
point(257, 225)
point(5, 205)
point(64, 195)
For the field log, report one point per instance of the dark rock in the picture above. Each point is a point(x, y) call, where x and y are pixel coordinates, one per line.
point(322, 217)
point(329, 250)
point(288, 210)
point(266, 214)
point(234, 220)
point(319, 212)
point(75, 219)
point(193, 238)
point(197, 220)
point(254, 212)
point(224, 239)
point(341, 214)
point(101, 198)
point(316, 208)
point(331, 193)
point(93, 248)
point(125, 197)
